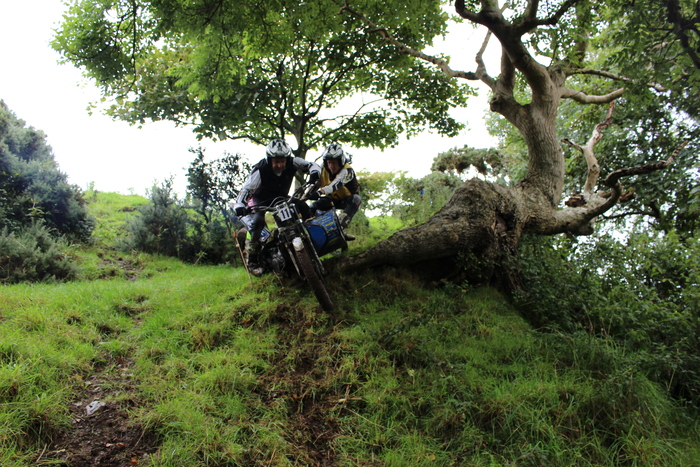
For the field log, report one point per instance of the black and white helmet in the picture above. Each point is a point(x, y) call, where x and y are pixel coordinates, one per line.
point(334, 151)
point(278, 148)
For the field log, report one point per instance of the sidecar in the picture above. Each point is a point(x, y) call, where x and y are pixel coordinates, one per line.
point(326, 234)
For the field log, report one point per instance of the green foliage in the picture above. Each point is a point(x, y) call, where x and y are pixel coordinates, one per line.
point(642, 292)
point(213, 185)
point(421, 198)
point(544, 263)
point(32, 189)
point(487, 162)
point(411, 200)
point(662, 54)
point(33, 254)
point(233, 72)
point(375, 187)
point(199, 228)
point(161, 227)
point(169, 227)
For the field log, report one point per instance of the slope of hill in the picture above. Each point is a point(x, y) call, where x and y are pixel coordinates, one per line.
point(197, 365)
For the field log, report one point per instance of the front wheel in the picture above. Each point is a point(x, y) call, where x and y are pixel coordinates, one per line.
point(314, 279)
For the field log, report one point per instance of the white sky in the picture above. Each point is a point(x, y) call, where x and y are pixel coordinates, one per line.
point(121, 158)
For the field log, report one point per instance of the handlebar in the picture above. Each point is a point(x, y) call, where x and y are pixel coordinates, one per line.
point(303, 190)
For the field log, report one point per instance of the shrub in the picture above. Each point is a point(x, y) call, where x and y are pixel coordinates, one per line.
point(168, 227)
point(642, 292)
point(32, 255)
point(161, 226)
point(32, 188)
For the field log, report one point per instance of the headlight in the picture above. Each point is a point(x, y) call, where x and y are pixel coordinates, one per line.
point(298, 244)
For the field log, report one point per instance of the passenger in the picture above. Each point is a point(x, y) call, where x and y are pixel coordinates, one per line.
point(338, 187)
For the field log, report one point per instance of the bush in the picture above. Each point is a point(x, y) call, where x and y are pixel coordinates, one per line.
point(411, 200)
point(168, 227)
point(643, 293)
point(161, 226)
point(32, 255)
point(211, 243)
point(557, 294)
point(32, 188)
point(424, 197)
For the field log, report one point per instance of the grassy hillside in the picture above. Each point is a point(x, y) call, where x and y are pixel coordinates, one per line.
point(199, 366)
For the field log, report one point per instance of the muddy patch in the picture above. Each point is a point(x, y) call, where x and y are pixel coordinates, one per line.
point(102, 433)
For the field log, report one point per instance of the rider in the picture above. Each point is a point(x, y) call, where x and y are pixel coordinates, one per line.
point(338, 186)
point(271, 178)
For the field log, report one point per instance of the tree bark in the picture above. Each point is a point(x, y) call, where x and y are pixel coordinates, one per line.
point(469, 237)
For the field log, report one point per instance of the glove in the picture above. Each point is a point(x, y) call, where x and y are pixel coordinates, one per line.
point(240, 210)
point(313, 177)
point(314, 195)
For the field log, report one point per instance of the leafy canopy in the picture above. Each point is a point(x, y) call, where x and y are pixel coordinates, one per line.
point(263, 69)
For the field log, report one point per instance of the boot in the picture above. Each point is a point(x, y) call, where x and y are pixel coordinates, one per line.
point(344, 221)
point(252, 250)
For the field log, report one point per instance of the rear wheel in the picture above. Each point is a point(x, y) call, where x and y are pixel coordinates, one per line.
point(315, 280)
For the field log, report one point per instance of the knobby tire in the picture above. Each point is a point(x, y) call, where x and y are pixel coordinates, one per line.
point(314, 279)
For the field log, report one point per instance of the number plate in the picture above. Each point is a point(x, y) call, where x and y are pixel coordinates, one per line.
point(284, 213)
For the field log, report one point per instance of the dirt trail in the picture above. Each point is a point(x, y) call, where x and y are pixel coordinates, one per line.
point(312, 421)
point(107, 437)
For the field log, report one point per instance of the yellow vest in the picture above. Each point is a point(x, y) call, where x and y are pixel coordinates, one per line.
point(340, 193)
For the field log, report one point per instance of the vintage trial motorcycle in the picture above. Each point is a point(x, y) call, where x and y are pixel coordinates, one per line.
point(296, 246)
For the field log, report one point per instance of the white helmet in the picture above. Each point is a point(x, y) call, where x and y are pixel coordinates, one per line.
point(334, 151)
point(278, 148)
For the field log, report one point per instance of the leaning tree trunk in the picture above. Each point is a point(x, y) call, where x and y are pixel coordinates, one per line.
point(474, 236)
point(481, 225)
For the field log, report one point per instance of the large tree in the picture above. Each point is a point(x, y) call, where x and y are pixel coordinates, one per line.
point(222, 65)
point(582, 52)
point(261, 70)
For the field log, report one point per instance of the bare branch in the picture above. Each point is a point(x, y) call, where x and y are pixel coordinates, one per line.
point(613, 76)
point(403, 48)
point(598, 132)
point(613, 179)
point(583, 98)
point(630, 213)
point(481, 66)
point(577, 220)
point(589, 155)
